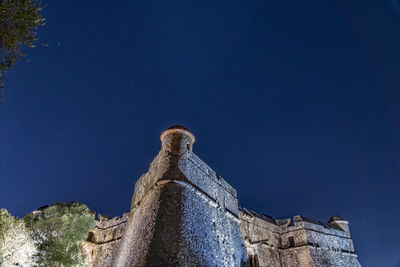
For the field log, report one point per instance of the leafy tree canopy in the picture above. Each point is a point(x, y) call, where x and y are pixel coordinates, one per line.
point(16, 243)
point(59, 231)
point(19, 20)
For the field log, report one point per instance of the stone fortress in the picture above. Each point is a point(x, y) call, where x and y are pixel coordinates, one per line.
point(184, 214)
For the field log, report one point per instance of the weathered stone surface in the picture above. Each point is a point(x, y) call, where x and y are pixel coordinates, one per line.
point(103, 240)
point(184, 214)
point(297, 242)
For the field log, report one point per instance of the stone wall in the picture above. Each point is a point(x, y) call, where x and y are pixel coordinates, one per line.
point(267, 242)
point(184, 214)
point(261, 238)
point(298, 242)
point(102, 241)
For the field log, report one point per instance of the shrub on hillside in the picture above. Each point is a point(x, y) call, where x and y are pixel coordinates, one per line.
point(16, 244)
point(58, 232)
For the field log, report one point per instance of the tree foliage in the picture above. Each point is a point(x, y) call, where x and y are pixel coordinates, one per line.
point(19, 20)
point(16, 243)
point(58, 232)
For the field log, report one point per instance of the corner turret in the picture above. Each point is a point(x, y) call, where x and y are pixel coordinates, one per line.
point(177, 140)
point(341, 223)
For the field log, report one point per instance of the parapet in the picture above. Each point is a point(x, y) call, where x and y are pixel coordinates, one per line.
point(107, 229)
point(103, 240)
point(308, 242)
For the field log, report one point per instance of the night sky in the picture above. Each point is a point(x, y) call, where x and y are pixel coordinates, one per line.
point(295, 103)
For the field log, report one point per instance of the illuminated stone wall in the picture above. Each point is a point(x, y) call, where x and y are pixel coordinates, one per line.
point(184, 214)
point(102, 241)
point(298, 242)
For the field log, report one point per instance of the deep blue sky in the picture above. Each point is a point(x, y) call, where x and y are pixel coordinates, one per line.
point(295, 103)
